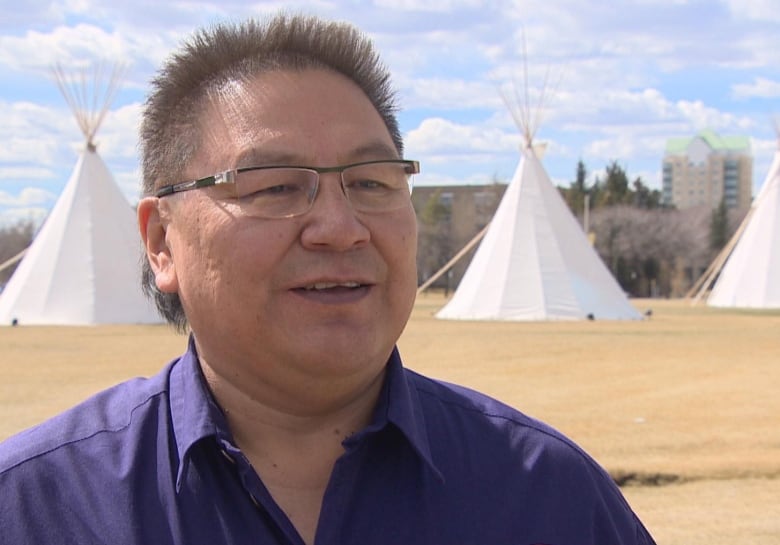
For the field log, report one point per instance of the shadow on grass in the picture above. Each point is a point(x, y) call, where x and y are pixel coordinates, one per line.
point(634, 478)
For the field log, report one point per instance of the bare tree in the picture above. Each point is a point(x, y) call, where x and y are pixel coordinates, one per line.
point(13, 240)
point(652, 252)
point(435, 237)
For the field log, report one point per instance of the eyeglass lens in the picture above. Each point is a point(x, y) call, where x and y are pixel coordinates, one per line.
point(290, 191)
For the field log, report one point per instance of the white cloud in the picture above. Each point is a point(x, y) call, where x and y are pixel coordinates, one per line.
point(619, 147)
point(31, 204)
point(765, 148)
point(440, 136)
point(763, 153)
point(29, 196)
point(760, 88)
point(28, 149)
point(69, 46)
point(36, 143)
point(13, 216)
point(118, 134)
point(9, 174)
point(18, 15)
point(438, 179)
point(452, 94)
point(619, 78)
point(758, 10)
point(702, 116)
point(441, 6)
point(129, 183)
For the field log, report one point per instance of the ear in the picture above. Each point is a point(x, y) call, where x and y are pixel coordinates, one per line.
point(153, 224)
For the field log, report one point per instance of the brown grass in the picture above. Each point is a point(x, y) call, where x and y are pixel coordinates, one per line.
point(686, 399)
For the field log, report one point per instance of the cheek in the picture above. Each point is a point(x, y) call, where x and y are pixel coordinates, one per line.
point(201, 247)
point(402, 239)
point(252, 252)
point(409, 236)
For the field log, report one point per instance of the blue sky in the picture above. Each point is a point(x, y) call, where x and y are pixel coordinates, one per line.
point(622, 77)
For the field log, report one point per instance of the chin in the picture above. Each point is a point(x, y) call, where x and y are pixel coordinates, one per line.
point(348, 357)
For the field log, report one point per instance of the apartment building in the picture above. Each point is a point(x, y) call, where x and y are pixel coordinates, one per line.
point(706, 169)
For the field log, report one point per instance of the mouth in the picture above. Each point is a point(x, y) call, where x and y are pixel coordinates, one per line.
point(325, 286)
point(328, 292)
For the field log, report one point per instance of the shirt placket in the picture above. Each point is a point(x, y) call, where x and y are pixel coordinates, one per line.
point(259, 495)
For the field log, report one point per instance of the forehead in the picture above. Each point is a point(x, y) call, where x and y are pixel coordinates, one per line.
point(301, 115)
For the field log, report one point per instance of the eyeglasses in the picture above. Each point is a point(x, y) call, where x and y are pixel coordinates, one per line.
point(284, 191)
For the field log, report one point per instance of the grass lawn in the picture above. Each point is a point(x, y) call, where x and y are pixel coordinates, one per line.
point(682, 407)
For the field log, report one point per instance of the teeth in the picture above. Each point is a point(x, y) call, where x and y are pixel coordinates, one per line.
point(329, 285)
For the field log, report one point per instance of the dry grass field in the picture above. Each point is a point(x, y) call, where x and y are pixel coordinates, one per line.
point(682, 408)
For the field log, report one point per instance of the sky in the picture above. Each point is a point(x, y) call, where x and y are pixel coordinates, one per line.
point(599, 81)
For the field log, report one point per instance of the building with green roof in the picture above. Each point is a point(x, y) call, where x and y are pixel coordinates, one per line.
point(706, 169)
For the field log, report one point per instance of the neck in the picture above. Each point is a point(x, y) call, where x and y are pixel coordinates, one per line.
point(300, 448)
point(285, 415)
point(262, 396)
point(293, 436)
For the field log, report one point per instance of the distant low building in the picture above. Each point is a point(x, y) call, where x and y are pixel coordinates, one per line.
point(706, 169)
point(448, 218)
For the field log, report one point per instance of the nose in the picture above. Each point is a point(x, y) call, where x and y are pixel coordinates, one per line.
point(332, 223)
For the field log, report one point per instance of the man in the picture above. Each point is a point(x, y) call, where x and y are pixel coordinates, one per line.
point(278, 227)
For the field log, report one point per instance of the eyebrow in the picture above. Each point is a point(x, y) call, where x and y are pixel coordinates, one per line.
point(374, 150)
point(258, 157)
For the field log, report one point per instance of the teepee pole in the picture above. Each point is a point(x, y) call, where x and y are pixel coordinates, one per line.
point(8, 262)
point(704, 284)
point(89, 102)
point(451, 263)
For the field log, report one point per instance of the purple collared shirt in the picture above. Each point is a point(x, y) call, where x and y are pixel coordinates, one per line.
point(152, 462)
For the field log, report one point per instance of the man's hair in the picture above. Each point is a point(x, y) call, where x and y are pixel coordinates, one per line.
point(170, 132)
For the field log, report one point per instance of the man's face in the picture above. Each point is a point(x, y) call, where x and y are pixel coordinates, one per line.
point(323, 294)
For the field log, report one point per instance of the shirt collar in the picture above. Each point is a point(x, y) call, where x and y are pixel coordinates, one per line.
point(196, 415)
point(399, 404)
point(194, 412)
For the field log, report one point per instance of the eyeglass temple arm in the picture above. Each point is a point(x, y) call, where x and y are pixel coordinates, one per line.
point(228, 176)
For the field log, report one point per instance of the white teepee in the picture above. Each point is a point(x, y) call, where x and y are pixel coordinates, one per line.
point(83, 266)
point(535, 262)
point(750, 278)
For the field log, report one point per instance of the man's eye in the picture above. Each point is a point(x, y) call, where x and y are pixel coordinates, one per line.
point(368, 185)
point(280, 188)
point(277, 190)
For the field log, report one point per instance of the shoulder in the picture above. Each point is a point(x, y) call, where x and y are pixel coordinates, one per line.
point(464, 426)
point(469, 407)
point(73, 477)
point(107, 413)
point(487, 449)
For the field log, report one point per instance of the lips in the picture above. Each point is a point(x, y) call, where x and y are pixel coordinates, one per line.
point(332, 292)
point(318, 286)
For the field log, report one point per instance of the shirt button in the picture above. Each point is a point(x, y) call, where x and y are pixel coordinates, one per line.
point(228, 456)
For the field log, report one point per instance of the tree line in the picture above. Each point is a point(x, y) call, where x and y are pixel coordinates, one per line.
point(652, 249)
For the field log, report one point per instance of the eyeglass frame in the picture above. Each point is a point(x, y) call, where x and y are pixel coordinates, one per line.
point(229, 176)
